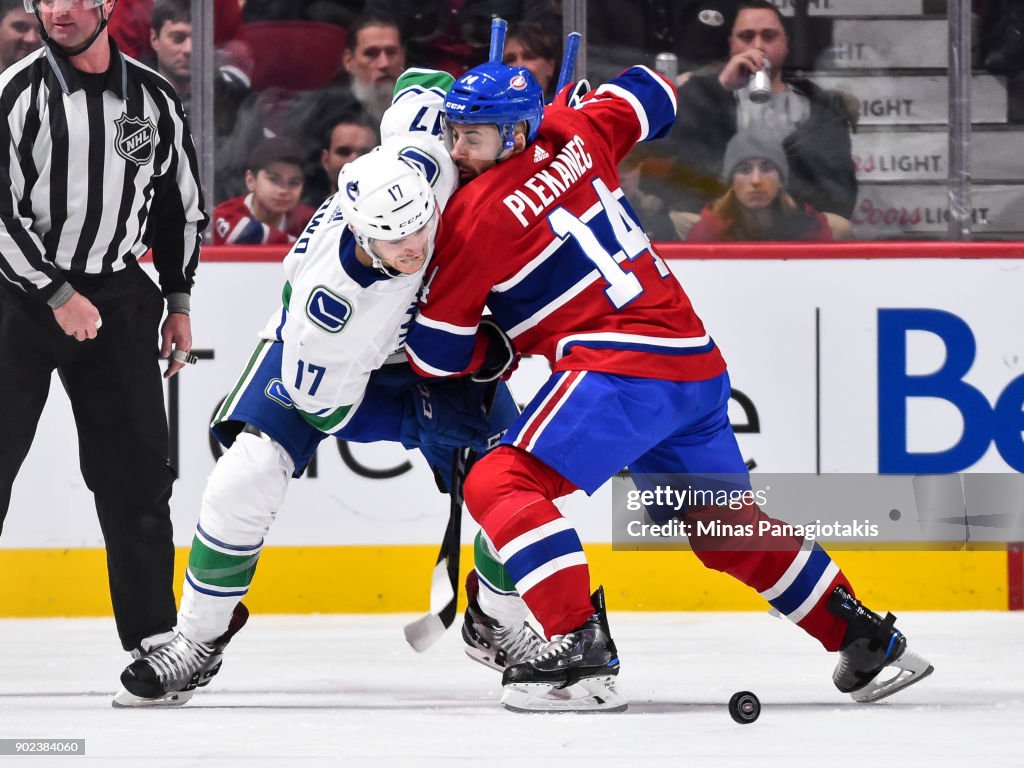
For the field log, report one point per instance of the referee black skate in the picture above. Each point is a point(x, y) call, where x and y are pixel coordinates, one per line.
point(98, 167)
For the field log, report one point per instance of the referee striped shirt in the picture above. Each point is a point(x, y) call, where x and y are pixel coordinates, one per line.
point(97, 169)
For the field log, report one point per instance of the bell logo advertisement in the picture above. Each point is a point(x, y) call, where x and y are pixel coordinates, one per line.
point(988, 419)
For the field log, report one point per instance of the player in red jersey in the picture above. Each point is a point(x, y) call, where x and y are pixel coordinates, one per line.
point(541, 234)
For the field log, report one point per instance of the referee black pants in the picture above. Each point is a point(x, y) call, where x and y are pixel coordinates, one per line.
point(116, 393)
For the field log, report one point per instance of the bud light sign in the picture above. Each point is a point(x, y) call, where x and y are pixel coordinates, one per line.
point(984, 423)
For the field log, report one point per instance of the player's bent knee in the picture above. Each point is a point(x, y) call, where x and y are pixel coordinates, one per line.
point(246, 489)
point(504, 473)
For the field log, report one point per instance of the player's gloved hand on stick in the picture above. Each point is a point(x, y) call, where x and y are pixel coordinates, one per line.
point(572, 94)
point(447, 414)
point(501, 358)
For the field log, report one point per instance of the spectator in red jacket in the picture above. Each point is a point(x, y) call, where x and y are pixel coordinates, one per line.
point(756, 206)
point(271, 212)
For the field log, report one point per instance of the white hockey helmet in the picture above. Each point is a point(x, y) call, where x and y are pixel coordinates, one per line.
point(385, 198)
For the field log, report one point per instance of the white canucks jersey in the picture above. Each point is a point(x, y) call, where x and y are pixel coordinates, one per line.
point(341, 320)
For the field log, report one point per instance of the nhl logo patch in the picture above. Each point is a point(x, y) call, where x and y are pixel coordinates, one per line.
point(134, 139)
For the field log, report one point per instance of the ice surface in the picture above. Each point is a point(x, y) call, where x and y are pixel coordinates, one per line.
point(346, 690)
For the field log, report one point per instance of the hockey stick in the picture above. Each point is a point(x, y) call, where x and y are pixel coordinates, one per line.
point(499, 27)
point(444, 582)
point(572, 49)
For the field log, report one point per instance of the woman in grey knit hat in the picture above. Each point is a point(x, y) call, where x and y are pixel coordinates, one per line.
point(757, 206)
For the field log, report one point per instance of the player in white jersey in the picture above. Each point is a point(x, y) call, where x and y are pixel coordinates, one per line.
point(320, 369)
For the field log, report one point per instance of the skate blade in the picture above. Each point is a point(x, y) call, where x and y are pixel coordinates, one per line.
point(482, 657)
point(124, 699)
point(591, 695)
point(908, 668)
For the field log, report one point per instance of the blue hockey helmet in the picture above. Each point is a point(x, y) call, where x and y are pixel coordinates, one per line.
point(495, 93)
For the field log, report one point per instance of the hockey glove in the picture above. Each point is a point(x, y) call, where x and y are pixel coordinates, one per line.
point(501, 358)
point(447, 414)
point(572, 95)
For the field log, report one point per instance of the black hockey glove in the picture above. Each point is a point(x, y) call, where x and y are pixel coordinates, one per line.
point(501, 358)
point(446, 414)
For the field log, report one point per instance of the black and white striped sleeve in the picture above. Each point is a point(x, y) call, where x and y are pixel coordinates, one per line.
point(23, 262)
point(178, 211)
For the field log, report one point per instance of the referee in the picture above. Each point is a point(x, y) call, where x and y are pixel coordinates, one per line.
point(97, 167)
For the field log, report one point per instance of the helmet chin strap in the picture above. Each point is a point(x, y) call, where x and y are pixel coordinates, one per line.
point(69, 52)
point(380, 265)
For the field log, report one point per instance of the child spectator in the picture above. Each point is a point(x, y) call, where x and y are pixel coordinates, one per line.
point(271, 212)
point(756, 205)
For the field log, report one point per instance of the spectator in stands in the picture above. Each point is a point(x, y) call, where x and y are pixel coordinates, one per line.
point(713, 108)
point(371, 63)
point(19, 33)
point(350, 136)
point(757, 206)
point(621, 33)
point(374, 57)
point(534, 47)
point(271, 212)
point(170, 37)
point(130, 26)
point(453, 35)
point(238, 122)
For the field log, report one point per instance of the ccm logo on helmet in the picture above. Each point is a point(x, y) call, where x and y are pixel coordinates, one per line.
point(518, 83)
point(457, 107)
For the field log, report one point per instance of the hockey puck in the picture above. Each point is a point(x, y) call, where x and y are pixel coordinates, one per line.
point(744, 707)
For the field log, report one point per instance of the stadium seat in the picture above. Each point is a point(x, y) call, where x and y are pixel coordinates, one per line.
point(294, 55)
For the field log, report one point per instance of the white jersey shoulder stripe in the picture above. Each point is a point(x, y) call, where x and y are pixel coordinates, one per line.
point(425, 366)
point(438, 325)
point(634, 102)
point(633, 338)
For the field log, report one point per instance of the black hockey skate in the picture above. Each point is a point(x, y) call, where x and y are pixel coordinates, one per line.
point(492, 643)
point(871, 645)
point(168, 675)
point(572, 673)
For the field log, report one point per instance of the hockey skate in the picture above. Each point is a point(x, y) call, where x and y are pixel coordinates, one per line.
point(871, 646)
point(169, 674)
point(572, 673)
point(492, 643)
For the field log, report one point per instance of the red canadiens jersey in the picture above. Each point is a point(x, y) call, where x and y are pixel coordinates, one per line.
point(547, 241)
point(233, 224)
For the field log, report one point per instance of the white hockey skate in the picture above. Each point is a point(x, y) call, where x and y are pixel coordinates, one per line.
point(874, 661)
point(168, 675)
point(573, 673)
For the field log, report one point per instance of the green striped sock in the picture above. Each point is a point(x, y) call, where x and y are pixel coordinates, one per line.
point(215, 568)
point(489, 568)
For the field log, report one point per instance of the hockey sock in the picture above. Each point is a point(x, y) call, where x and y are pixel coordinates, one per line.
point(496, 594)
point(243, 494)
point(488, 568)
point(509, 494)
point(218, 576)
point(796, 576)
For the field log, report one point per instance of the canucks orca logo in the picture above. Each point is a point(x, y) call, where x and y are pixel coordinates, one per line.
point(422, 162)
point(275, 391)
point(328, 310)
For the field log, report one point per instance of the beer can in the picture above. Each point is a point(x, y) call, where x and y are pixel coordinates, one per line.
point(667, 64)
